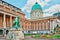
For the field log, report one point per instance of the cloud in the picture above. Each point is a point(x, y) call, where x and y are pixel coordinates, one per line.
point(47, 0)
point(53, 9)
point(30, 3)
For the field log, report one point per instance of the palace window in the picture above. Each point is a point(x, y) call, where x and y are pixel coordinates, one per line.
point(13, 11)
point(1, 6)
point(7, 9)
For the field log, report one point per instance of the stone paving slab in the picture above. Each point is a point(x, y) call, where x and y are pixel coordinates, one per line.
point(40, 39)
point(28, 38)
point(2, 38)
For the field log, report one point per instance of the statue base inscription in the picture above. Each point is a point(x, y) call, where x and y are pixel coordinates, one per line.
point(15, 35)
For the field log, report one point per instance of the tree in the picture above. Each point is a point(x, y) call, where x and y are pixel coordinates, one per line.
point(58, 26)
point(57, 29)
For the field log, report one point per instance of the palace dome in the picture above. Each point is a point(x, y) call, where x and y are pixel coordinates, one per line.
point(36, 6)
point(56, 14)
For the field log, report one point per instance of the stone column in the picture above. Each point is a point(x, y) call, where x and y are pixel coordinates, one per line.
point(51, 25)
point(34, 26)
point(27, 26)
point(10, 21)
point(4, 25)
point(30, 26)
point(46, 25)
point(4, 21)
point(39, 26)
point(43, 26)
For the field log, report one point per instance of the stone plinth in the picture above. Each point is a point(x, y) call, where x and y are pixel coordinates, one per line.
point(15, 35)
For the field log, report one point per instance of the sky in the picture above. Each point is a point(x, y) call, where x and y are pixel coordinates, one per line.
point(49, 6)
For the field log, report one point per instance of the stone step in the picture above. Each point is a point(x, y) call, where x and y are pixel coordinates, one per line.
point(1, 36)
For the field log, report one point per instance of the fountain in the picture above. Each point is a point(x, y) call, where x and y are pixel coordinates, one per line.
point(15, 32)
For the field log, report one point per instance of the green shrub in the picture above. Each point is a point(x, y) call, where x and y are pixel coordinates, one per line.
point(56, 36)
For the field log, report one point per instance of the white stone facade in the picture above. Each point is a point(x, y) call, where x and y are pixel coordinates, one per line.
point(36, 14)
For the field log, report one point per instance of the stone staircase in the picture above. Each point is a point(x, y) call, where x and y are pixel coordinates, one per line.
point(2, 38)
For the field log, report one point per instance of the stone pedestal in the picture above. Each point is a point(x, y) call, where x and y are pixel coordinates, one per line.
point(15, 35)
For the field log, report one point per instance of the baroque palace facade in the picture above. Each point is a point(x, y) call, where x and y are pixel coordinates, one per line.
point(7, 14)
point(36, 24)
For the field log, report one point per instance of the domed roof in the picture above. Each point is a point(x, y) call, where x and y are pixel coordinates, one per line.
point(56, 14)
point(36, 6)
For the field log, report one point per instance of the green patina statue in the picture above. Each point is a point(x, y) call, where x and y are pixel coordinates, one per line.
point(16, 23)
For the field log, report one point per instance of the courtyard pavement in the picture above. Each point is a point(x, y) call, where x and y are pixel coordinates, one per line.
point(39, 39)
point(29, 38)
point(2, 38)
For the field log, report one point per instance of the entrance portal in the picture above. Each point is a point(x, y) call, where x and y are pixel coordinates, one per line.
point(1, 32)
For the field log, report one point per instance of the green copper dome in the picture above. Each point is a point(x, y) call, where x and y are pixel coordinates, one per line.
point(56, 14)
point(36, 6)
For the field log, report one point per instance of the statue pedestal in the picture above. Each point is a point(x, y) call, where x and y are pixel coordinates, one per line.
point(15, 35)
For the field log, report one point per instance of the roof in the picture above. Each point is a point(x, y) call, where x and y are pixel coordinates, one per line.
point(12, 6)
point(56, 14)
point(43, 18)
point(36, 6)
